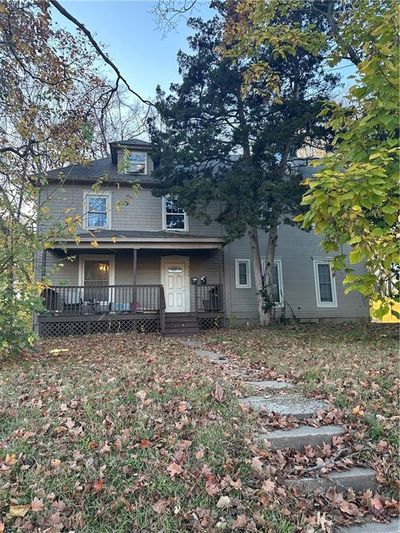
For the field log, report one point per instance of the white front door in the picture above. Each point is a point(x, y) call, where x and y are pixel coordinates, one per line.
point(175, 281)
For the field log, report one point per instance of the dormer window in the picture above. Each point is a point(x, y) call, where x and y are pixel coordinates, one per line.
point(174, 217)
point(136, 163)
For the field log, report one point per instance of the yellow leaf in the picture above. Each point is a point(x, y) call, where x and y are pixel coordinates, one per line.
point(11, 459)
point(95, 244)
point(19, 510)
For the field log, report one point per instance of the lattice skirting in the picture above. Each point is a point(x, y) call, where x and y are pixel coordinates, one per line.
point(60, 328)
point(210, 322)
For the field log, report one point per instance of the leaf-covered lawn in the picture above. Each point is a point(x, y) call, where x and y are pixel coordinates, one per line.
point(126, 433)
point(118, 433)
point(354, 366)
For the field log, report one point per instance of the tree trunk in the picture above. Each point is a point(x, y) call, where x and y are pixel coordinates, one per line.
point(269, 269)
point(258, 277)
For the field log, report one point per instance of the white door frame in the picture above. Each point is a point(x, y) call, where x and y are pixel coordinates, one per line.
point(182, 259)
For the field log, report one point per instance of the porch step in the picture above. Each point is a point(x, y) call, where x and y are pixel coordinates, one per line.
point(180, 324)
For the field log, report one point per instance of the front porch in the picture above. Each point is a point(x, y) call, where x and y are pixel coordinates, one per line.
point(172, 292)
point(85, 309)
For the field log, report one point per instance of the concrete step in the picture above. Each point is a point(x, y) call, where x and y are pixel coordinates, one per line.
point(268, 385)
point(372, 527)
point(358, 478)
point(299, 437)
point(286, 405)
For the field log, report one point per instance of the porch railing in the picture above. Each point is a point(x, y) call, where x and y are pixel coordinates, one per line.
point(208, 298)
point(99, 299)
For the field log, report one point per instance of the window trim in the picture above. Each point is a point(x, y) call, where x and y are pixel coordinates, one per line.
point(164, 218)
point(128, 171)
point(107, 196)
point(278, 262)
point(333, 303)
point(237, 278)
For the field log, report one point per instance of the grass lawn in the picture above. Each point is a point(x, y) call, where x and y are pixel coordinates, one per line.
point(125, 433)
point(132, 433)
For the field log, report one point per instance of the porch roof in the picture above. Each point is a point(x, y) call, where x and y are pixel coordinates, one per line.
point(143, 239)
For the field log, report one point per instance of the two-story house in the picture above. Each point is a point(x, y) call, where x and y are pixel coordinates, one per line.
point(140, 262)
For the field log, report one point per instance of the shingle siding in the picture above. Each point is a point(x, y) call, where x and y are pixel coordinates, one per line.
point(143, 212)
point(296, 249)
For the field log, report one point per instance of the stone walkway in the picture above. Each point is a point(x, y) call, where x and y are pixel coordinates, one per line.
point(281, 398)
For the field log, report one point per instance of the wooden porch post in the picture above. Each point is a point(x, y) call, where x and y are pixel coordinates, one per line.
point(134, 266)
point(44, 265)
point(134, 280)
point(221, 272)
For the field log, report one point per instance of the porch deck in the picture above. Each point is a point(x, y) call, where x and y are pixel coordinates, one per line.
point(97, 308)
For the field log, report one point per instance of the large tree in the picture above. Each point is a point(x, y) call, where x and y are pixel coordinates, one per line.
point(219, 141)
point(54, 102)
point(353, 201)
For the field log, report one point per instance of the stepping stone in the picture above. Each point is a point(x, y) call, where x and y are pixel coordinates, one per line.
point(358, 478)
point(269, 384)
point(211, 356)
point(372, 527)
point(289, 405)
point(190, 344)
point(299, 437)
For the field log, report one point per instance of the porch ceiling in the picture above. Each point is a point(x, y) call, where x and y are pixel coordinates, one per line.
point(143, 239)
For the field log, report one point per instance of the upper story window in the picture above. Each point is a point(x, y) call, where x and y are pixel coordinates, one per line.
point(174, 217)
point(97, 210)
point(242, 273)
point(325, 286)
point(277, 282)
point(136, 163)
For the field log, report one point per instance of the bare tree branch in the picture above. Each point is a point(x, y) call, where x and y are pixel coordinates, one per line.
point(96, 46)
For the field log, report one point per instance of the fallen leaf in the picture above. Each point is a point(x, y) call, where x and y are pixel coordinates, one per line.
point(268, 486)
point(256, 464)
point(160, 506)
point(199, 454)
point(224, 502)
point(19, 510)
point(358, 411)
point(212, 487)
point(376, 503)
point(37, 505)
point(174, 469)
point(98, 485)
point(240, 522)
point(219, 392)
point(350, 508)
point(11, 459)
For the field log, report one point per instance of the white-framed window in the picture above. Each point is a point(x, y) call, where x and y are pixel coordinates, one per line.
point(242, 274)
point(136, 162)
point(325, 286)
point(174, 217)
point(277, 281)
point(97, 210)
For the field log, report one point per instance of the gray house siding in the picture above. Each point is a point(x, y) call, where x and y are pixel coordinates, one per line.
point(296, 250)
point(143, 212)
